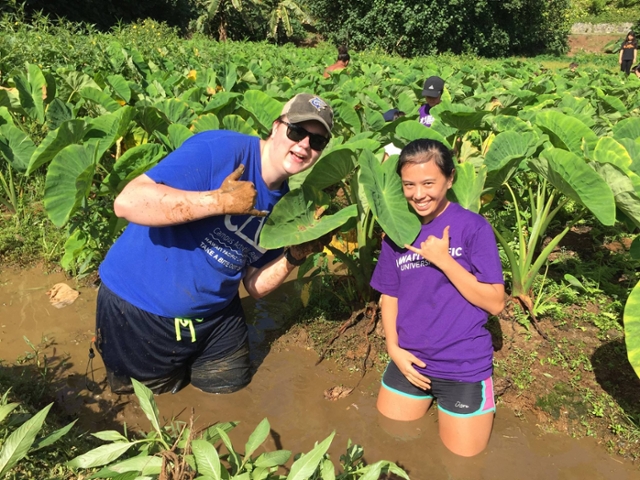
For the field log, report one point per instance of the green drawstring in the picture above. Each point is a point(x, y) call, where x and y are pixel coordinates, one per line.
point(186, 322)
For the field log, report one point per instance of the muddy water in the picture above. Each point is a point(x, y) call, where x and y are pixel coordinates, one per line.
point(287, 389)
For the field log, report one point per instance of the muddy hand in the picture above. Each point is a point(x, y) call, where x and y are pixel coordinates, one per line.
point(313, 246)
point(238, 197)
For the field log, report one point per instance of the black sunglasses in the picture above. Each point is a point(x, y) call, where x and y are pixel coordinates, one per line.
point(296, 133)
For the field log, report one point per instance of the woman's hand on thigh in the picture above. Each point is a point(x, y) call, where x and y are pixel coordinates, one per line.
point(405, 362)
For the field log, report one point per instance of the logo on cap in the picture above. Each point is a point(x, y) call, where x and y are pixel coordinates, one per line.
point(318, 103)
point(430, 87)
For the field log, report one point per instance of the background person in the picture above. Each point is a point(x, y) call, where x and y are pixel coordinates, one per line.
point(628, 53)
point(390, 116)
point(432, 92)
point(436, 298)
point(168, 310)
point(341, 63)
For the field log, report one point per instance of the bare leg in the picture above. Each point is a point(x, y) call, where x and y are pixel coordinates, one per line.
point(398, 407)
point(465, 436)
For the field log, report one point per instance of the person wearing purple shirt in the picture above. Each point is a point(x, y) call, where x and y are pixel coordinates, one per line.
point(432, 92)
point(436, 298)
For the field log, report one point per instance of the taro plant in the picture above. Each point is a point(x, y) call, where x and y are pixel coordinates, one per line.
point(631, 317)
point(177, 451)
point(24, 439)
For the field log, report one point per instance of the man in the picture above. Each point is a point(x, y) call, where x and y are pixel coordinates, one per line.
point(168, 310)
point(432, 92)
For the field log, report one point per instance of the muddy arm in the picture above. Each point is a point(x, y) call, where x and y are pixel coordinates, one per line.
point(145, 202)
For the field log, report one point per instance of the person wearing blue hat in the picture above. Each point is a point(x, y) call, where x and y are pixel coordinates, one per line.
point(390, 116)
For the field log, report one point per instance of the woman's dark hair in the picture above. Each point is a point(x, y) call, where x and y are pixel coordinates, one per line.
point(343, 54)
point(425, 150)
point(634, 40)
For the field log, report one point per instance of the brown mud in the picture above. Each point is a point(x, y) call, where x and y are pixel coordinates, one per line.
point(287, 389)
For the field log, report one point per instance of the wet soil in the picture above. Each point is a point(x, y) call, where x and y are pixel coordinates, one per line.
point(288, 388)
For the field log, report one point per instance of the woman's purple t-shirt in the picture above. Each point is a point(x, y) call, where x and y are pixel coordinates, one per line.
point(435, 322)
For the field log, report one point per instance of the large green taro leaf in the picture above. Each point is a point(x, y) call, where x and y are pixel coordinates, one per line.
point(152, 120)
point(408, 103)
point(627, 128)
point(505, 154)
point(346, 115)
point(631, 318)
point(68, 182)
point(414, 130)
point(374, 119)
point(572, 176)
point(468, 186)
point(294, 219)
point(219, 101)
point(58, 113)
point(624, 191)
point(205, 122)
point(633, 149)
point(238, 124)
point(383, 188)
point(16, 147)
point(460, 117)
point(609, 151)
point(177, 111)
point(504, 123)
point(105, 130)
point(612, 104)
point(120, 87)
point(331, 168)
point(101, 98)
point(69, 133)
point(565, 132)
point(135, 161)
point(262, 106)
point(33, 91)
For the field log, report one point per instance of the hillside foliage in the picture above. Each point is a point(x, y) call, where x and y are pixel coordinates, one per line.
point(405, 27)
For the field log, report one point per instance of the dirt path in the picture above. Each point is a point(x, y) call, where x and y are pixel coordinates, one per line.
point(288, 390)
point(589, 43)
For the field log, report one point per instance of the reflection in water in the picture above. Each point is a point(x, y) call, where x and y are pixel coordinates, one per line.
point(288, 389)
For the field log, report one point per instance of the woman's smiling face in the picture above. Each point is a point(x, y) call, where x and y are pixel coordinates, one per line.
point(425, 188)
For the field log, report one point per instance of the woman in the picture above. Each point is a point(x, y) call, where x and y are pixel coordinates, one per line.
point(436, 297)
point(628, 53)
point(341, 63)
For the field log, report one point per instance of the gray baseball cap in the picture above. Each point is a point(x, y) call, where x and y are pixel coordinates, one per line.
point(305, 107)
point(433, 87)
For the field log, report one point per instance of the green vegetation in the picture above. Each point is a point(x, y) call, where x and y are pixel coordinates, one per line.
point(605, 11)
point(406, 27)
point(177, 451)
point(546, 154)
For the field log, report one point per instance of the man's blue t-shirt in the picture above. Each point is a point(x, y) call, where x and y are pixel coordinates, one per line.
point(194, 270)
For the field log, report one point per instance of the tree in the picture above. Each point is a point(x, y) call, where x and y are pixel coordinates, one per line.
point(279, 12)
point(210, 10)
point(420, 27)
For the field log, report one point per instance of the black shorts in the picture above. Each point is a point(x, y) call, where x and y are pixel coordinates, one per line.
point(166, 354)
point(460, 399)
